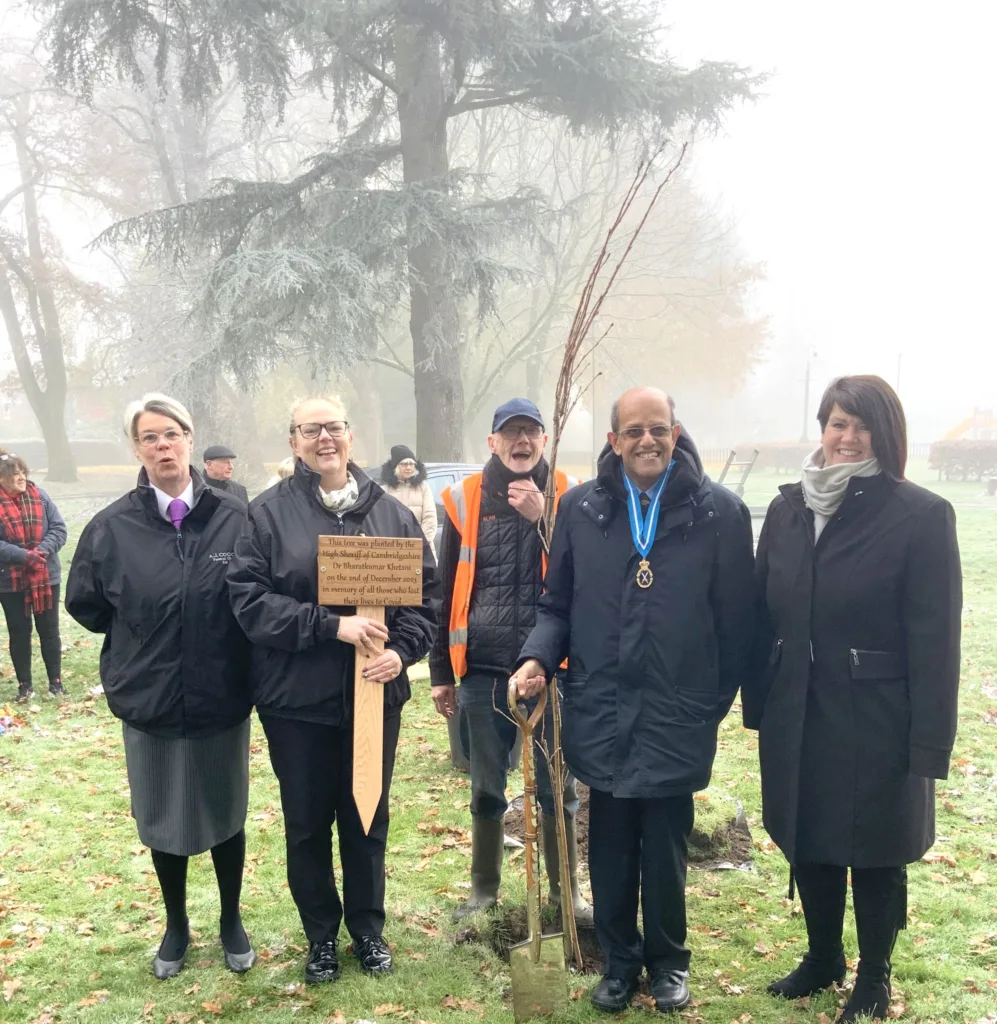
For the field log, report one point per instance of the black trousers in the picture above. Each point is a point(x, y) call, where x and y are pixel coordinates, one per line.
point(314, 766)
point(19, 630)
point(639, 848)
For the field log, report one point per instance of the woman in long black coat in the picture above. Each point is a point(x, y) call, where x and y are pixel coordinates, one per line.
point(855, 692)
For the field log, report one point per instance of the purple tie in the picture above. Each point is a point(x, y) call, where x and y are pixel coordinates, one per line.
point(176, 510)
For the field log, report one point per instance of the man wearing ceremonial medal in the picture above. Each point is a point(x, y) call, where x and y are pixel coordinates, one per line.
point(649, 595)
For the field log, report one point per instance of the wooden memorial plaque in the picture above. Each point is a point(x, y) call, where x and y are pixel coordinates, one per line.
point(369, 574)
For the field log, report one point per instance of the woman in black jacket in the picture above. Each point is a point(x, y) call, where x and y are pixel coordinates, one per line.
point(149, 573)
point(302, 677)
point(860, 593)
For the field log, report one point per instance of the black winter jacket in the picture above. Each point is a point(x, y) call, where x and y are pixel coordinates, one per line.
point(508, 579)
point(233, 487)
point(299, 669)
point(650, 672)
point(856, 687)
point(174, 660)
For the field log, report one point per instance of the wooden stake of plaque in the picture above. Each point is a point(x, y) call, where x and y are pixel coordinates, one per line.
point(369, 574)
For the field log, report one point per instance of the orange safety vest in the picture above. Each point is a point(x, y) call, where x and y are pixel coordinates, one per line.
point(463, 505)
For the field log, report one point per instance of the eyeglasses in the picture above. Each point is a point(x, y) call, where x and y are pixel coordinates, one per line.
point(407, 464)
point(335, 429)
point(511, 433)
point(7, 458)
point(149, 438)
point(659, 433)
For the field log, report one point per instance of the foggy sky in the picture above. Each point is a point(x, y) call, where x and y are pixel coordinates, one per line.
point(865, 181)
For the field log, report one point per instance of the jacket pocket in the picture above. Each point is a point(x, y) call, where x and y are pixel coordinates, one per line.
point(864, 665)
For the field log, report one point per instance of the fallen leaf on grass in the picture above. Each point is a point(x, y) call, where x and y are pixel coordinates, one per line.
point(215, 1008)
point(896, 1010)
point(978, 878)
point(937, 857)
point(86, 928)
point(453, 1003)
point(335, 1018)
point(95, 997)
point(193, 990)
point(388, 1009)
point(10, 986)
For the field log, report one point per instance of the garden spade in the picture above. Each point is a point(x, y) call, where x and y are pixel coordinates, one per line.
point(539, 978)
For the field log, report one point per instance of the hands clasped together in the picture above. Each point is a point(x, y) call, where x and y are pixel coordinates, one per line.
point(365, 634)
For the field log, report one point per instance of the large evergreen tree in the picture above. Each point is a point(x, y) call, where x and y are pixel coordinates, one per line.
point(316, 265)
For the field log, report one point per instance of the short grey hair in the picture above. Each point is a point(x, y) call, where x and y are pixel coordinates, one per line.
point(158, 403)
point(614, 413)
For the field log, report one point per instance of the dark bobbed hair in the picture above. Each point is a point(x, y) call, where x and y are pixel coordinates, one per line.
point(10, 465)
point(875, 403)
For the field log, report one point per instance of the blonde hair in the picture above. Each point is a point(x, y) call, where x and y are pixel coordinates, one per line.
point(334, 400)
point(158, 403)
point(286, 468)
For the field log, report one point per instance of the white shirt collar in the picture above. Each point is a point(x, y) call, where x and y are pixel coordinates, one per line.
point(163, 499)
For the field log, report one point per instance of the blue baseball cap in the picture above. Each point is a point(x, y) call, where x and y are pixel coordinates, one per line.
point(513, 408)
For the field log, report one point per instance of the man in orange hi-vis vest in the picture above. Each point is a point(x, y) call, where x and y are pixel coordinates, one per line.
point(492, 564)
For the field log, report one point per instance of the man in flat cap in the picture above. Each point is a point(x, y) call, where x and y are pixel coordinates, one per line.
point(218, 460)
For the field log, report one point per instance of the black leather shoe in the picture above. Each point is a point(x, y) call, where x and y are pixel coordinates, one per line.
point(373, 954)
point(323, 964)
point(614, 994)
point(670, 989)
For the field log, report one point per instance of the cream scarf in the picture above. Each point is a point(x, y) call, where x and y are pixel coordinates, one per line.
point(343, 499)
point(824, 487)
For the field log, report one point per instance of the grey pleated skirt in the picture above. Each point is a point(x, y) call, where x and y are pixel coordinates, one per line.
point(188, 793)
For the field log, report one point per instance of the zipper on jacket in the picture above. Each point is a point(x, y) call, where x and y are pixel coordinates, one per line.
point(855, 656)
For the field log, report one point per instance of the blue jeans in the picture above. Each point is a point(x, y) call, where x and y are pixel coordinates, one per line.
point(491, 734)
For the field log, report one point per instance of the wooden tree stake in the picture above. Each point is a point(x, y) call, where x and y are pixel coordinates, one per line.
point(356, 572)
point(368, 731)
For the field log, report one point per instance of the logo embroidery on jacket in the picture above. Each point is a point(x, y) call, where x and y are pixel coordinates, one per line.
point(221, 556)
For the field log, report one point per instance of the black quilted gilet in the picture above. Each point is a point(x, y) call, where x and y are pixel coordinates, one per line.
point(508, 577)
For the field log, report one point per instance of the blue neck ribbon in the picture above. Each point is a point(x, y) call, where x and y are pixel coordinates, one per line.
point(643, 526)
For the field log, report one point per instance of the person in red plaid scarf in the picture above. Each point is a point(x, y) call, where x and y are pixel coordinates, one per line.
point(31, 533)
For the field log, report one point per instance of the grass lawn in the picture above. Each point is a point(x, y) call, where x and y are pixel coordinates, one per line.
point(80, 915)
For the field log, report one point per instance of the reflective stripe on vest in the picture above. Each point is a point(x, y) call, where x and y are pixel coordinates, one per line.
point(463, 505)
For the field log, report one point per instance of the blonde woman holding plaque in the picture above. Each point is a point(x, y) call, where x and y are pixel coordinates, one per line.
point(302, 677)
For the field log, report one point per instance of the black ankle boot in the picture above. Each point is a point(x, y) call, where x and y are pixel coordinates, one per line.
point(871, 997)
point(822, 893)
point(880, 897)
point(811, 977)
